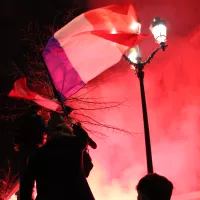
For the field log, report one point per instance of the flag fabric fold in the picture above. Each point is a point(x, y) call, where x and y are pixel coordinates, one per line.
point(21, 91)
point(90, 44)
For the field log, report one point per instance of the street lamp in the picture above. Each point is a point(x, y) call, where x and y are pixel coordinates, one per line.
point(133, 56)
point(159, 29)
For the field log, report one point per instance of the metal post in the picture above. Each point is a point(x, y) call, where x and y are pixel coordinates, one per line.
point(140, 75)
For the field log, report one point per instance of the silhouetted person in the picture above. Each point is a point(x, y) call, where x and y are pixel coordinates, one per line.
point(58, 168)
point(154, 187)
point(57, 124)
point(28, 135)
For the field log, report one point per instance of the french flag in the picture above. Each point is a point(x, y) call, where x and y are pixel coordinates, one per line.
point(90, 44)
point(21, 91)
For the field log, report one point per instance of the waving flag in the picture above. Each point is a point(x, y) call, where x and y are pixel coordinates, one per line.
point(90, 44)
point(21, 91)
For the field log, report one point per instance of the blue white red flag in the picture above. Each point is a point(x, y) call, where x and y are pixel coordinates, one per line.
point(89, 45)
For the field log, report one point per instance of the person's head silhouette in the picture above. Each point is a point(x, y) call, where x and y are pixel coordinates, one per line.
point(154, 187)
point(30, 130)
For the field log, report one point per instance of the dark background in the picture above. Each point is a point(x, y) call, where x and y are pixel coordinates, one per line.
point(16, 17)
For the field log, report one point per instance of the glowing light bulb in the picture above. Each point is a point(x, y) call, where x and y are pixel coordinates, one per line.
point(159, 30)
point(134, 54)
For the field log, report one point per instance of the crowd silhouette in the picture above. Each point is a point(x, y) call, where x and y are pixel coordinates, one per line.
point(60, 164)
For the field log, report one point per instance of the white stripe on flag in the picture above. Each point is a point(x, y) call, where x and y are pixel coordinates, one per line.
point(93, 51)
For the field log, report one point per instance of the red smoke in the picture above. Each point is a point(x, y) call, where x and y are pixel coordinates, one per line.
point(172, 84)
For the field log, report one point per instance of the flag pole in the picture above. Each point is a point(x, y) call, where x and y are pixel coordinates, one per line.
point(66, 109)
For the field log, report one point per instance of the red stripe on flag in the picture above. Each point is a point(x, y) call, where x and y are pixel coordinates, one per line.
point(119, 17)
point(126, 39)
point(21, 91)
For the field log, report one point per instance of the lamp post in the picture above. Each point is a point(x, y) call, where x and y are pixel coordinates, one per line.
point(133, 56)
